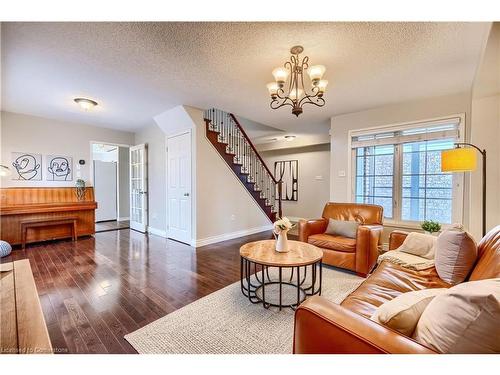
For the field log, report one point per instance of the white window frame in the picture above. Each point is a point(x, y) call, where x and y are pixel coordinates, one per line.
point(458, 178)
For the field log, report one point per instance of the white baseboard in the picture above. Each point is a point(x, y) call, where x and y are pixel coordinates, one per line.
point(230, 236)
point(123, 218)
point(157, 232)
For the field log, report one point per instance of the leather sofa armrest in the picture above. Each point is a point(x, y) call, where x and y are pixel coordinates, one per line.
point(396, 238)
point(310, 227)
point(367, 241)
point(323, 327)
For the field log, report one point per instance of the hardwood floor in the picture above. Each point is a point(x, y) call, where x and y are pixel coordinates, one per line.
point(104, 226)
point(96, 290)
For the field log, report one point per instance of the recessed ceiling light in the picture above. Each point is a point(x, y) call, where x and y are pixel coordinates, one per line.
point(85, 103)
point(289, 138)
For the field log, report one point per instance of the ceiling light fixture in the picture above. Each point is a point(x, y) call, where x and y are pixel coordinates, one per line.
point(85, 103)
point(289, 138)
point(296, 94)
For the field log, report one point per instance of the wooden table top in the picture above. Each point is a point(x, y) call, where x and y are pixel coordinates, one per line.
point(263, 252)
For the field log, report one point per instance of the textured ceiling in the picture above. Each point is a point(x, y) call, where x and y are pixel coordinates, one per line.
point(138, 70)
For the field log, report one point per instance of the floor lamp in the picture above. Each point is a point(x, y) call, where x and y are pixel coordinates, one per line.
point(463, 159)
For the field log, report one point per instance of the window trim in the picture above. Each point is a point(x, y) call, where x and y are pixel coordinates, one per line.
point(458, 178)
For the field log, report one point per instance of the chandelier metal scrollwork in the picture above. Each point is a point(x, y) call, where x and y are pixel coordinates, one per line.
point(296, 94)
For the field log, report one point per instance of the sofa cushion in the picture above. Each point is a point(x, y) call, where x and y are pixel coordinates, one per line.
point(386, 283)
point(463, 319)
point(338, 243)
point(488, 254)
point(403, 312)
point(456, 254)
point(343, 228)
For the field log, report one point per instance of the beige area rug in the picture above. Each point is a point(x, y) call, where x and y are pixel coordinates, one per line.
point(225, 322)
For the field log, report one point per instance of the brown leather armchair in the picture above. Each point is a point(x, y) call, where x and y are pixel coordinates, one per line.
point(356, 254)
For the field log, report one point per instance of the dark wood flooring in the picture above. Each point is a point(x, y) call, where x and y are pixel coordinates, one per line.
point(96, 290)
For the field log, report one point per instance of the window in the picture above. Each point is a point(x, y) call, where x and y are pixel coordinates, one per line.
point(375, 176)
point(400, 169)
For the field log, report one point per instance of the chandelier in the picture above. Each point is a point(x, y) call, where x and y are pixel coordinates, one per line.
point(296, 94)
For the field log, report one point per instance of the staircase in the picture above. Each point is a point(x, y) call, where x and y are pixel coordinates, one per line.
point(232, 143)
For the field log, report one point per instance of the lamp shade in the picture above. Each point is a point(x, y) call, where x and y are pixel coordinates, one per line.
point(458, 160)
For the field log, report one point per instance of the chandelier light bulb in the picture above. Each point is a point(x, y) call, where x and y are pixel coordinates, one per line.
point(273, 89)
point(322, 86)
point(316, 73)
point(280, 75)
point(293, 94)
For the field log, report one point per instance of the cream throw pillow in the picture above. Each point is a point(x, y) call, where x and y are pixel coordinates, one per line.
point(403, 312)
point(463, 319)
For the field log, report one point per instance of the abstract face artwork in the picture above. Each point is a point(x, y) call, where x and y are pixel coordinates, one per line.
point(288, 172)
point(59, 168)
point(27, 166)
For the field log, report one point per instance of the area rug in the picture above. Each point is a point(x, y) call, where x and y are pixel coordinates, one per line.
point(225, 322)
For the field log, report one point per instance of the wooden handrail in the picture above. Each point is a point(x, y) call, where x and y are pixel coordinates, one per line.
point(253, 147)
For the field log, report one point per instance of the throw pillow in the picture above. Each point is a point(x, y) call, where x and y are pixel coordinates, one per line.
point(419, 244)
point(403, 312)
point(463, 319)
point(342, 228)
point(456, 253)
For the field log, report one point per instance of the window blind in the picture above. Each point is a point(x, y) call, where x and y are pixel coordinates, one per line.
point(416, 132)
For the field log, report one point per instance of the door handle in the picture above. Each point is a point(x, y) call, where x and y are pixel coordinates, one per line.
point(186, 194)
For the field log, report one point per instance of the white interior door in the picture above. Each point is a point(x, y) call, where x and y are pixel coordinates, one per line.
point(179, 187)
point(105, 190)
point(138, 188)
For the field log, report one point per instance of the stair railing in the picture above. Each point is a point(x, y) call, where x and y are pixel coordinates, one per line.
point(246, 155)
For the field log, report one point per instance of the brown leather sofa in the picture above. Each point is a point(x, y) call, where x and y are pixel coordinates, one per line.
point(359, 254)
point(325, 327)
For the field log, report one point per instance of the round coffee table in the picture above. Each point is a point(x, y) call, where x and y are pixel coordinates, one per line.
point(262, 273)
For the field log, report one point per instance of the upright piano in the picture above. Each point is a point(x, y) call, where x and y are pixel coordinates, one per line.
point(22, 204)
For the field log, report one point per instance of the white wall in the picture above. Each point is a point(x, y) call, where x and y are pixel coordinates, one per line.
point(392, 114)
point(485, 133)
point(313, 193)
point(155, 140)
point(26, 133)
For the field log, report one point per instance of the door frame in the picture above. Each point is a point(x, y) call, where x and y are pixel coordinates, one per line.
point(193, 184)
point(145, 192)
point(91, 175)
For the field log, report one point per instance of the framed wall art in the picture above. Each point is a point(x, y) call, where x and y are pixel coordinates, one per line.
point(288, 172)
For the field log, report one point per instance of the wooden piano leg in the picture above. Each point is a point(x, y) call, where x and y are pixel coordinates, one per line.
point(75, 237)
point(23, 236)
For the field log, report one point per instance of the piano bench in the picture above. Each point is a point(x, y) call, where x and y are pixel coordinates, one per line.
point(37, 223)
